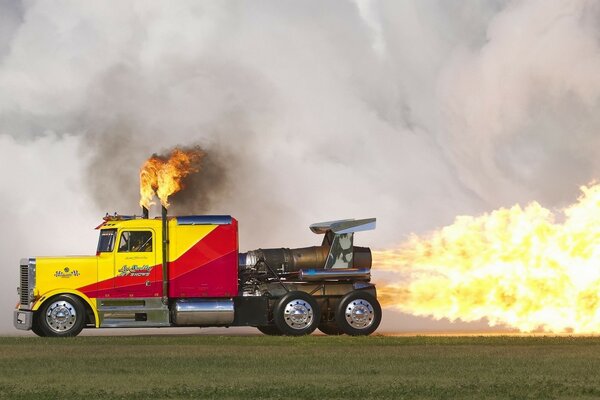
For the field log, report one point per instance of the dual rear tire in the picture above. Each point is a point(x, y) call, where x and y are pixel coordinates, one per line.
point(358, 314)
point(270, 330)
point(297, 313)
point(330, 328)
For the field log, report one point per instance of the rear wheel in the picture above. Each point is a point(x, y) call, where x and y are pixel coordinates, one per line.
point(61, 316)
point(270, 330)
point(296, 314)
point(330, 328)
point(358, 313)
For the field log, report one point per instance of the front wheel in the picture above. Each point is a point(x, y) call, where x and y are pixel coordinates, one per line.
point(36, 327)
point(358, 313)
point(296, 314)
point(61, 316)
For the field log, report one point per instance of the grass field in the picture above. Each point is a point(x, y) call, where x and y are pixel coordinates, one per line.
point(314, 367)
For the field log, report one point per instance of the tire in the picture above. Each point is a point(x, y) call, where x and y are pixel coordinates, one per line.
point(270, 330)
point(61, 316)
point(296, 314)
point(35, 326)
point(358, 314)
point(330, 328)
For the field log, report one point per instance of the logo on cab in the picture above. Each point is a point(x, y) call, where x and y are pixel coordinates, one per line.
point(135, 270)
point(66, 273)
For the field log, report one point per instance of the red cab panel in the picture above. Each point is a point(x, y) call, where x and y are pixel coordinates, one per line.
point(209, 268)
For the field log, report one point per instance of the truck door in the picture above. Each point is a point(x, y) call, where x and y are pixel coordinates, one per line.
point(135, 264)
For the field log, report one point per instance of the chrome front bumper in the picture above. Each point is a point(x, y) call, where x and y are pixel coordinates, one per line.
point(23, 319)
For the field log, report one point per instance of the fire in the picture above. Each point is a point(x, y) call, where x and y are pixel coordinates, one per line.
point(163, 175)
point(517, 267)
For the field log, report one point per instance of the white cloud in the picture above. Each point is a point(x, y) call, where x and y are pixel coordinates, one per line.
point(410, 112)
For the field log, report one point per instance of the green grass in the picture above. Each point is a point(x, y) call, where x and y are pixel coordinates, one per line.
point(314, 367)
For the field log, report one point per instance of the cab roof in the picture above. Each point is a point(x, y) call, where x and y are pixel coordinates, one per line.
point(132, 221)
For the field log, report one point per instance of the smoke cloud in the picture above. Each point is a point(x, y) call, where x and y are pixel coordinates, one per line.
point(411, 112)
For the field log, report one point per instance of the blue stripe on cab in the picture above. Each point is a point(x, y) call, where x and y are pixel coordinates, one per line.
point(204, 220)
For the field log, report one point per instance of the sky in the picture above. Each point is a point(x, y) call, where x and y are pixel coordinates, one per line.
point(412, 112)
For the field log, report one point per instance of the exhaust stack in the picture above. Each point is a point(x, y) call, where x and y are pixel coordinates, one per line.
point(315, 275)
point(165, 248)
point(144, 212)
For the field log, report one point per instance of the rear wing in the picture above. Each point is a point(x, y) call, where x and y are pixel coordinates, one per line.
point(339, 237)
point(344, 226)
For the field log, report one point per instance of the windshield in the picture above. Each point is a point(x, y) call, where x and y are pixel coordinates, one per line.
point(106, 243)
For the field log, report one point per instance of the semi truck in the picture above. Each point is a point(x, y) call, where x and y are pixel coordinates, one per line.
point(187, 271)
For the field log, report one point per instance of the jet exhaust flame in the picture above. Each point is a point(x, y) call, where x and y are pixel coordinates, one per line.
point(163, 175)
point(516, 267)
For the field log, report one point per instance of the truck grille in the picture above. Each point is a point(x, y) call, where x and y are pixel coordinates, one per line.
point(24, 288)
point(27, 282)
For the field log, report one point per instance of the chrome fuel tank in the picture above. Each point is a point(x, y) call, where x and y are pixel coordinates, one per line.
point(203, 312)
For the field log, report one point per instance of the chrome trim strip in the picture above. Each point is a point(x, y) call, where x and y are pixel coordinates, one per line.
point(121, 312)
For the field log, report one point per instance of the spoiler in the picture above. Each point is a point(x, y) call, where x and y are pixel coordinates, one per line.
point(344, 226)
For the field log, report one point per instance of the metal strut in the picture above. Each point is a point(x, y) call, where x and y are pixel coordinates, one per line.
point(275, 274)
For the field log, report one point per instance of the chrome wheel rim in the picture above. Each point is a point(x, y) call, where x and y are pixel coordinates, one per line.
point(61, 316)
point(360, 314)
point(298, 314)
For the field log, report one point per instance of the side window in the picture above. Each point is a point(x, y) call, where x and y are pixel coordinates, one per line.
point(106, 243)
point(135, 241)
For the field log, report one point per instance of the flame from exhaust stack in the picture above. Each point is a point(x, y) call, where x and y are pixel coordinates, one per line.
point(516, 267)
point(163, 175)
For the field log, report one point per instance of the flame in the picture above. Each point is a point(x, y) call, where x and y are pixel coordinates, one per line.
point(515, 267)
point(162, 176)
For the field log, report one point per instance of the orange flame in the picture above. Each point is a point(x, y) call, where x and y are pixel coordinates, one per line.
point(162, 176)
point(515, 267)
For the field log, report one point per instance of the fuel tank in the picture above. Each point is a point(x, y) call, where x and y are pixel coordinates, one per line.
point(203, 312)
